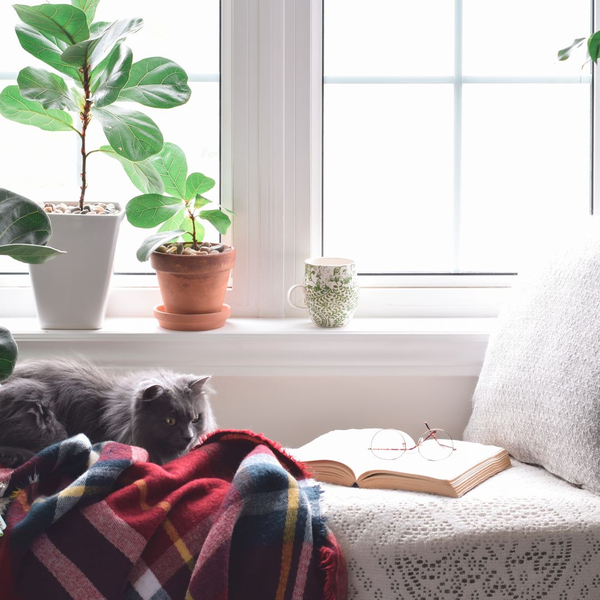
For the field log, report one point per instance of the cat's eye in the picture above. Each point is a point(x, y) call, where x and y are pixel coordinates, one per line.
point(171, 421)
point(196, 419)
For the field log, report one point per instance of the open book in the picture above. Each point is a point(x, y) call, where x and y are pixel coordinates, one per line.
point(343, 457)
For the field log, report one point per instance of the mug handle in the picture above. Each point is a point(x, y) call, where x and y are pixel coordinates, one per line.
point(289, 296)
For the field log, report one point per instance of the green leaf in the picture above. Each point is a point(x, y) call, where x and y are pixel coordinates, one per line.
point(22, 221)
point(94, 51)
point(171, 165)
point(130, 133)
point(219, 220)
point(594, 46)
point(48, 89)
point(151, 243)
point(30, 253)
point(8, 353)
point(88, 7)
point(46, 48)
point(16, 108)
point(149, 210)
point(197, 183)
point(98, 28)
point(157, 82)
point(142, 174)
point(565, 53)
point(175, 222)
point(63, 21)
point(107, 83)
point(201, 201)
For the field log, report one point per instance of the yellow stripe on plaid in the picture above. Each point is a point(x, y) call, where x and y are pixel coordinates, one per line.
point(143, 487)
point(77, 491)
point(183, 550)
point(291, 518)
point(179, 544)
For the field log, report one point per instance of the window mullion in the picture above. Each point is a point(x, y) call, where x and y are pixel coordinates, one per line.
point(458, 110)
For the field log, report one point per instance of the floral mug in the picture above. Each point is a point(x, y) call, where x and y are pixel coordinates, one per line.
point(330, 291)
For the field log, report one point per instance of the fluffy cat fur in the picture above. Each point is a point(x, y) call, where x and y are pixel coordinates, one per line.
point(45, 401)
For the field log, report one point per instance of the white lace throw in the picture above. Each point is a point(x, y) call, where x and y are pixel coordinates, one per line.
point(524, 534)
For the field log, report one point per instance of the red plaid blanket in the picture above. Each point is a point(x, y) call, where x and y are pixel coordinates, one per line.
point(235, 518)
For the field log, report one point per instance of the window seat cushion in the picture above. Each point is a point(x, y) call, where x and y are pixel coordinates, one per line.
point(522, 534)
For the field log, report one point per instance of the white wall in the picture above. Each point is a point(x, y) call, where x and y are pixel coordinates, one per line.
point(294, 410)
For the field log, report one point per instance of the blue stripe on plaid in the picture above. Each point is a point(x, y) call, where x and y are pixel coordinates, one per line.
point(70, 456)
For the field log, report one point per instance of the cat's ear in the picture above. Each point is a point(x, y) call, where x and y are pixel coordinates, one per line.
point(198, 384)
point(152, 392)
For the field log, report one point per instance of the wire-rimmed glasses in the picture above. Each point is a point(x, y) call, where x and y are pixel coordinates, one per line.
point(434, 444)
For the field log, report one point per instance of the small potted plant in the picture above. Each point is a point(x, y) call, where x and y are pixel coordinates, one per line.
point(24, 232)
point(103, 80)
point(192, 274)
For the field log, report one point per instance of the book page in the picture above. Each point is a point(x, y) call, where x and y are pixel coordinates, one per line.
point(351, 447)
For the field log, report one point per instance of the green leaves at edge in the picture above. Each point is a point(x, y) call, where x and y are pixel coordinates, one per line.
point(142, 173)
point(16, 108)
point(565, 53)
point(24, 229)
point(8, 353)
point(151, 243)
point(130, 133)
point(157, 82)
point(30, 253)
point(63, 21)
point(593, 45)
point(149, 210)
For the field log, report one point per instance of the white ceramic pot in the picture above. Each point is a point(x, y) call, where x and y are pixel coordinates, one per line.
point(71, 290)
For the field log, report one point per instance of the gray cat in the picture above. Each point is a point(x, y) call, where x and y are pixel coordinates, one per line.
point(45, 401)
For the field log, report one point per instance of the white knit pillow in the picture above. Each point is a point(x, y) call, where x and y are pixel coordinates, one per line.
point(538, 394)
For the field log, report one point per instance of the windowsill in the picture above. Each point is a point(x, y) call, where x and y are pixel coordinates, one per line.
point(275, 347)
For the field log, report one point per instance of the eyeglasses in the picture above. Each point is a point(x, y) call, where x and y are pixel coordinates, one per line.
point(434, 444)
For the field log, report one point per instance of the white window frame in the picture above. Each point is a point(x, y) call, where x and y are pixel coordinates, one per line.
point(271, 162)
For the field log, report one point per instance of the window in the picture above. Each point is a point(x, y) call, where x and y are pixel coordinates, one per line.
point(42, 165)
point(421, 137)
point(451, 131)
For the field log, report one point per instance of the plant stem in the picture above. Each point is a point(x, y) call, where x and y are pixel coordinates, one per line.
point(194, 240)
point(85, 121)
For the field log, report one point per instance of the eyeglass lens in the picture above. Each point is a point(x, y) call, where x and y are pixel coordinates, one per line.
point(388, 444)
point(436, 444)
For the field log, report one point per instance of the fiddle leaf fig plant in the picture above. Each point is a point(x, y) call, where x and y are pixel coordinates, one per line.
point(180, 209)
point(24, 231)
point(102, 83)
point(592, 45)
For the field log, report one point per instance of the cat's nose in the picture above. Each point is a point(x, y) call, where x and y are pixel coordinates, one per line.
point(188, 439)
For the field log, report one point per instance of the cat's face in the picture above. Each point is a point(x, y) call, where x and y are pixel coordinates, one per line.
point(173, 414)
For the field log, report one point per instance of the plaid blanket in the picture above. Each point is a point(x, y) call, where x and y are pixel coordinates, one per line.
point(235, 518)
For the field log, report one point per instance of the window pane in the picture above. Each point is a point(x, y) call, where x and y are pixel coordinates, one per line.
point(388, 37)
point(522, 37)
point(43, 165)
point(388, 176)
point(525, 162)
point(447, 175)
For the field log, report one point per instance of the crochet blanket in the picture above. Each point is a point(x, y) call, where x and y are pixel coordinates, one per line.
point(234, 518)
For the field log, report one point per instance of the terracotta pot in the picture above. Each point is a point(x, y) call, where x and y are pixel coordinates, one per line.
point(193, 284)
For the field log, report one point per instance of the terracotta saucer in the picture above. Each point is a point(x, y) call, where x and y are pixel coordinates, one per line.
point(194, 322)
